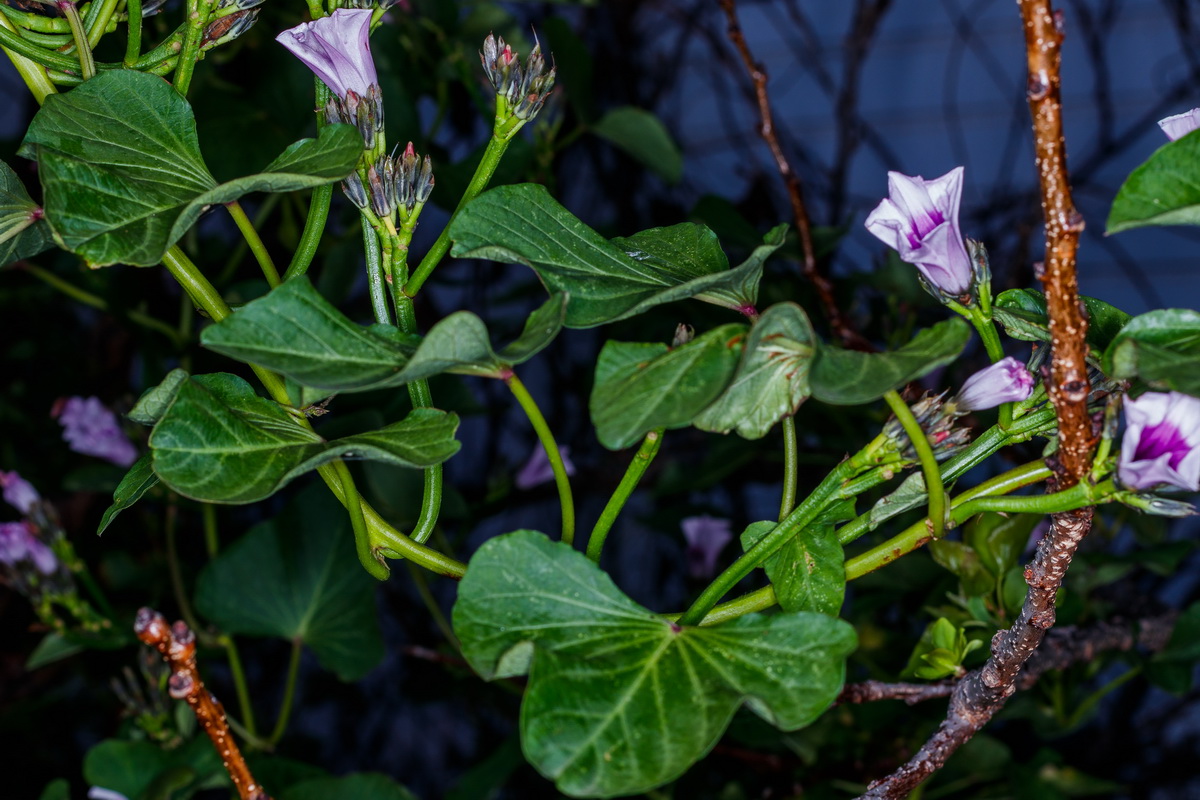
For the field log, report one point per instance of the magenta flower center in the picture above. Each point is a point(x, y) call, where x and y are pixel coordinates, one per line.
point(924, 220)
point(1159, 439)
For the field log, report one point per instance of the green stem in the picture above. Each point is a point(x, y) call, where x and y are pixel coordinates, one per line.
point(191, 46)
point(375, 280)
point(255, 242)
point(133, 43)
point(362, 537)
point(99, 16)
point(87, 64)
point(212, 542)
point(637, 468)
point(89, 299)
point(29, 22)
point(995, 350)
point(479, 181)
point(790, 466)
point(432, 606)
point(289, 692)
point(382, 534)
point(551, 447)
point(314, 227)
point(929, 465)
point(239, 684)
point(14, 44)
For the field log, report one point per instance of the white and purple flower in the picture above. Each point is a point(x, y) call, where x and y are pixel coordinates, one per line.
point(706, 537)
point(1180, 125)
point(18, 492)
point(919, 219)
point(337, 49)
point(1162, 442)
point(91, 429)
point(1006, 381)
point(17, 544)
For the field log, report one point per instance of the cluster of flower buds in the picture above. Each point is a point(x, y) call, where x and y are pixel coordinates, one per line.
point(394, 183)
point(937, 420)
point(365, 112)
point(524, 88)
point(230, 23)
point(144, 701)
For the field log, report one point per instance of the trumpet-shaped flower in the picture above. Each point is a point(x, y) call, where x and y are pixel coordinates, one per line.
point(337, 49)
point(1006, 381)
point(706, 537)
point(91, 429)
point(919, 219)
point(1162, 442)
point(1180, 125)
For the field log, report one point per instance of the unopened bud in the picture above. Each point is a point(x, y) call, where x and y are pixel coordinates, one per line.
point(423, 186)
point(224, 30)
point(500, 64)
point(353, 188)
point(382, 200)
point(683, 334)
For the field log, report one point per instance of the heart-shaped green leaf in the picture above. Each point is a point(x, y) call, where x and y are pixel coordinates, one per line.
point(771, 379)
point(23, 232)
point(1022, 312)
point(1161, 348)
point(1165, 190)
point(808, 572)
point(621, 700)
point(297, 332)
point(297, 577)
point(219, 442)
point(122, 173)
point(641, 387)
point(848, 377)
point(523, 224)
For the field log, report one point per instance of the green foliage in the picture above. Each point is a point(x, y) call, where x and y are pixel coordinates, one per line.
point(643, 136)
point(139, 480)
point(621, 700)
point(142, 770)
point(123, 177)
point(808, 573)
point(524, 224)
point(298, 333)
point(1165, 190)
point(1022, 313)
point(297, 578)
point(216, 440)
point(642, 387)
point(360, 786)
point(23, 233)
point(941, 651)
point(1162, 348)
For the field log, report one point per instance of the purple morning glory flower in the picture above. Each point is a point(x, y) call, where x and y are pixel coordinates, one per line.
point(919, 220)
point(18, 493)
point(92, 429)
point(1006, 381)
point(537, 469)
point(706, 537)
point(337, 49)
point(1180, 125)
point(17, 543)
point(1162, 441)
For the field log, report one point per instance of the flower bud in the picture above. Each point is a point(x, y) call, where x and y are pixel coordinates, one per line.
point(353, 188)
point(224, 30)
point(1006, 381)
point(936, 418)
point(383, 200)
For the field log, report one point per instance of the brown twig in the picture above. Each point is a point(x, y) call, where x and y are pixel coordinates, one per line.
point(980, 694)
point(911, 693)
point(177, 643)
point(766, 129)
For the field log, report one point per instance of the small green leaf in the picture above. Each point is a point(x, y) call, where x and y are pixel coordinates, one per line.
point(360, 786)
point(155, 401)
point(137, 768)
point(1165, 190)
point(808, 572)
point(961, 560)
point(297, 577)
point(1022, 313)
point(771, 379)
point(999, 539)
point(137, 481)
point(221, 443)
point(641, 387)
point(523, 224)
point(122, 173)
point(23, 232)
point(1160, 347)
point(53, 647)
point(643, 136)
point(849, 377)
point(619, 699)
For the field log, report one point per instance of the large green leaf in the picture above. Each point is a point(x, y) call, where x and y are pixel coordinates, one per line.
point(360, 786)
point(297, 332)
point(1160, 347)
point(123, 177)
point(137, 481)
point(297, 577)
point(619, 699)
point(848, 377)
point(23, 232)
point(808, 572)
point(1163, 191)
point(523, 224)
point(771, 379)
point(641, 387)
point(142, 770)
point(219, 442)
point(643, 136)
point(1022, 312)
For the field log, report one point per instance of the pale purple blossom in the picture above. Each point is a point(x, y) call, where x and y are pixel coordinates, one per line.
point(919, 220)
point(91, 429)
point(537, 469)
point(1006, 381)
point(337, 49)
point(1162, 442)
point(706, 537)
point(17, 543)
point(100, 793)
point(1180, 125)
point(18, 492)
